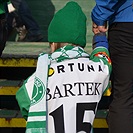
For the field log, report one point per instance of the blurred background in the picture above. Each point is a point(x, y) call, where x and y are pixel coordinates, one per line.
point(43, 10)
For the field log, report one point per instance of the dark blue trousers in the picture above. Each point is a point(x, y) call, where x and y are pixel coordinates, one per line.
point(26, 17)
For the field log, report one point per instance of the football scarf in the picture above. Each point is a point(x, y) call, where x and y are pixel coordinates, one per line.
point(36, 122)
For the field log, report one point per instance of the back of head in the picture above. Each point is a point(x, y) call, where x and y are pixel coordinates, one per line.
point(68, 25)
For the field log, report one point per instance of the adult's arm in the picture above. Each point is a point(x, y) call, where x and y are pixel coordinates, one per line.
point(104, 9)
point(100, 50)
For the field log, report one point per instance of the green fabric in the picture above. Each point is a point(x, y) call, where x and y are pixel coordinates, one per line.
point(2, 9)
point(104, 56)
point(2, 6)
point(68, 25)
point(24, 100)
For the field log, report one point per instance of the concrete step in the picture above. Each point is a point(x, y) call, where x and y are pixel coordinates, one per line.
point(9, 87)
point(17, 54)
point(13, 118)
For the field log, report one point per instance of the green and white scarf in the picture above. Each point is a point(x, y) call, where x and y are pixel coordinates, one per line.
point(68, 52)
point(36, 122)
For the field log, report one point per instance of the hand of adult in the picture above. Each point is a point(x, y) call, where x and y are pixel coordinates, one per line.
point(97, 29)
